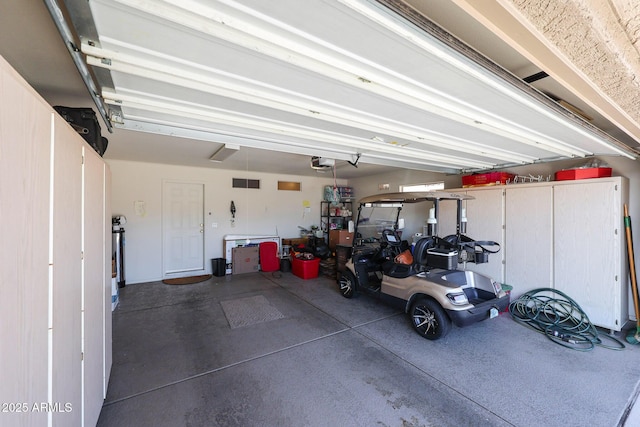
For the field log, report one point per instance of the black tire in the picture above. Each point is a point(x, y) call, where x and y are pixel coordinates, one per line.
point(347, 284)
point(429, 319)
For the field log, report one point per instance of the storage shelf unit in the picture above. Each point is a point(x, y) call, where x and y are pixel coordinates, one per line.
point(336, 210)
point(335, 216)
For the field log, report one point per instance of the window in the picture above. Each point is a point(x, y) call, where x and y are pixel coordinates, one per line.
point(429, 186)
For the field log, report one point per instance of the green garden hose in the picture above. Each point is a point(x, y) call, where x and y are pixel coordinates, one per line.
point(560, 318)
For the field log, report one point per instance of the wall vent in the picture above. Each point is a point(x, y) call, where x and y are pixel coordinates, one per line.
point(245, 183)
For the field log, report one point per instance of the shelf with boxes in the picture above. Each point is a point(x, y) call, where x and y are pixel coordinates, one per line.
point(334, 217)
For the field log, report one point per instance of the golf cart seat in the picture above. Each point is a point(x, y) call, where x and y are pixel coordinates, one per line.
point(400, 271)
point(391, 246)
point(420, 252)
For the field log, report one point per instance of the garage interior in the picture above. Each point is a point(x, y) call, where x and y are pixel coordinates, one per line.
point(382, 94)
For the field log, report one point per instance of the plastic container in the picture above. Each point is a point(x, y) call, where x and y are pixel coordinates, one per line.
point(286, 251)
point(285, 265)
point(507, 289)
point(305, 268)
point(218, 267)
point(269, 260)
point(584, 173)
point(491, 178)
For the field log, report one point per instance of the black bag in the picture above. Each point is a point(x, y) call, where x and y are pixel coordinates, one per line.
point(85, 122)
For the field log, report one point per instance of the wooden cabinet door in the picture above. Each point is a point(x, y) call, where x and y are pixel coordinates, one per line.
point(587, 240)
point(25, 157)
point(94, 304)
point(528, 238)
point(67, 273)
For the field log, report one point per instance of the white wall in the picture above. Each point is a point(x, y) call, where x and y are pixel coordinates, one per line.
point(264, 211)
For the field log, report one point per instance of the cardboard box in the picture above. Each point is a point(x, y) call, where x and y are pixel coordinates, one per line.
point(585, 173)
point(295, 242)
point(245, 259)
point(340, 237)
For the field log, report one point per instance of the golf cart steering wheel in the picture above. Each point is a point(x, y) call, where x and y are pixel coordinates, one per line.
point(391, 237)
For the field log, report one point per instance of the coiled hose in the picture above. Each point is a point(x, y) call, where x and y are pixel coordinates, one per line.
point(560, 318)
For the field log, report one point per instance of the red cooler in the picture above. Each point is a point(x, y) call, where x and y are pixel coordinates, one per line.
point(269, 260)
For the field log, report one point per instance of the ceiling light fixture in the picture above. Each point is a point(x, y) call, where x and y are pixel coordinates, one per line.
point(224, 152)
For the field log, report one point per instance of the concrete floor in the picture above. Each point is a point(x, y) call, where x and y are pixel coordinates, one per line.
point(306, 356)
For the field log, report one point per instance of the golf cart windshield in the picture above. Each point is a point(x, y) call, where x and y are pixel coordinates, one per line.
point(382, 211)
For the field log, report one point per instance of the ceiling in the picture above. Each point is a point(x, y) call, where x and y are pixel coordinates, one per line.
point(347, 80)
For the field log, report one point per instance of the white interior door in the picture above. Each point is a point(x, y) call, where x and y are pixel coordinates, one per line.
point(183, 227)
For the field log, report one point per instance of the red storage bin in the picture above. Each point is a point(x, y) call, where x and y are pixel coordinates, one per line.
point(586, 173)
point(305, 268)
point(491, 178)
point(269, 260)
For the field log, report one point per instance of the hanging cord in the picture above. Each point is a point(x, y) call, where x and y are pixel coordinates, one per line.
point(336, 193)
point(560, 318)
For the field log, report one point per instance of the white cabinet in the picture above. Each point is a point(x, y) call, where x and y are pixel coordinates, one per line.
point(590, 262)
point(55, 264)
point(567, 235)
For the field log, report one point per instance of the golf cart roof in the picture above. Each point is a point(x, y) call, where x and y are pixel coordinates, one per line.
point(412, 197)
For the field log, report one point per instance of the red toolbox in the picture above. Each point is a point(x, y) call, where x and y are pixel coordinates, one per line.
point(491, 178)
point(583, 173)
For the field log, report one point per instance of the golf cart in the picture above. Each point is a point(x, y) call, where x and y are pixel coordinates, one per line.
point(422, 278)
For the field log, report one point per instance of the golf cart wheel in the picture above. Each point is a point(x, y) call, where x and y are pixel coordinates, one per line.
point(347, 284)
point(429, 319)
